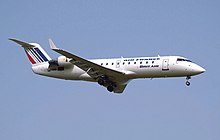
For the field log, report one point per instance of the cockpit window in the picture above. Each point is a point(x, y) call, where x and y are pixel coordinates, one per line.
point(181, 59)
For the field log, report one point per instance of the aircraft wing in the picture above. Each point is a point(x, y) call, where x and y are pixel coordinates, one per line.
point(93, 69)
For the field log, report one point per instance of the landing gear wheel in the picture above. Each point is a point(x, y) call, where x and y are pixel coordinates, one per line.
point(187, 83)
point(110, 88)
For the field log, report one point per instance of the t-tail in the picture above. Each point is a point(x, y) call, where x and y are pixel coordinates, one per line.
point(34, 52)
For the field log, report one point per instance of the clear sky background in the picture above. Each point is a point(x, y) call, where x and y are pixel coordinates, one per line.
point(33, 107)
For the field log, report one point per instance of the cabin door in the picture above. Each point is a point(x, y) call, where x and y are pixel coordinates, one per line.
point(118, 63)
point(165, 65)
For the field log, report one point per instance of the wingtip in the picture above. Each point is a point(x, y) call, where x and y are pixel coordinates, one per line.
point(52, 45)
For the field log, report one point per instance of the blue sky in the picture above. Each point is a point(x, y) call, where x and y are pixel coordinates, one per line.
point(36, 107)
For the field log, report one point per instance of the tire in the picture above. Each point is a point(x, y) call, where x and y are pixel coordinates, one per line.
point(110, 88)
point(187, 83)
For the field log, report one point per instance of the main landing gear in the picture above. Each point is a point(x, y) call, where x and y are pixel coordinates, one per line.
point(110, 88)
point(104, 81)
point(187, 80)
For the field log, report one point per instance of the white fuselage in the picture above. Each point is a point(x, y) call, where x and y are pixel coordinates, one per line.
point(114, 74)
point(139, 67)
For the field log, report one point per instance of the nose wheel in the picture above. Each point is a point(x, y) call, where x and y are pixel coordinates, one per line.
point(187, 80)
point(187, 83)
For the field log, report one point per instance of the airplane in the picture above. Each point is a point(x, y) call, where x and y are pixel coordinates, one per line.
point(114, 74)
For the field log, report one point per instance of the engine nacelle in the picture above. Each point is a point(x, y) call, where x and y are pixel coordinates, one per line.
point(63, 61)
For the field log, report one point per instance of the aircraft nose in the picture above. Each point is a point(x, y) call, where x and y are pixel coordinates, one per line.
point(199, 69)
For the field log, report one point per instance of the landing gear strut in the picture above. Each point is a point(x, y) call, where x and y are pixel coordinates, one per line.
point(187, 80)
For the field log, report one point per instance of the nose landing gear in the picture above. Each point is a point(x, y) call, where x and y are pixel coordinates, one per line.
point(187, 83)
point(187, 80)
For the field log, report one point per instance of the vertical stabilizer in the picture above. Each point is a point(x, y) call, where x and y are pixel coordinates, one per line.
point(34, 51)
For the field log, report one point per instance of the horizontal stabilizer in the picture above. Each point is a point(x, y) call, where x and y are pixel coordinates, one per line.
point(23, 44)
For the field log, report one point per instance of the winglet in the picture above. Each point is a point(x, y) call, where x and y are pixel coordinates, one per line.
point(52, 45)
point(22, 43)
